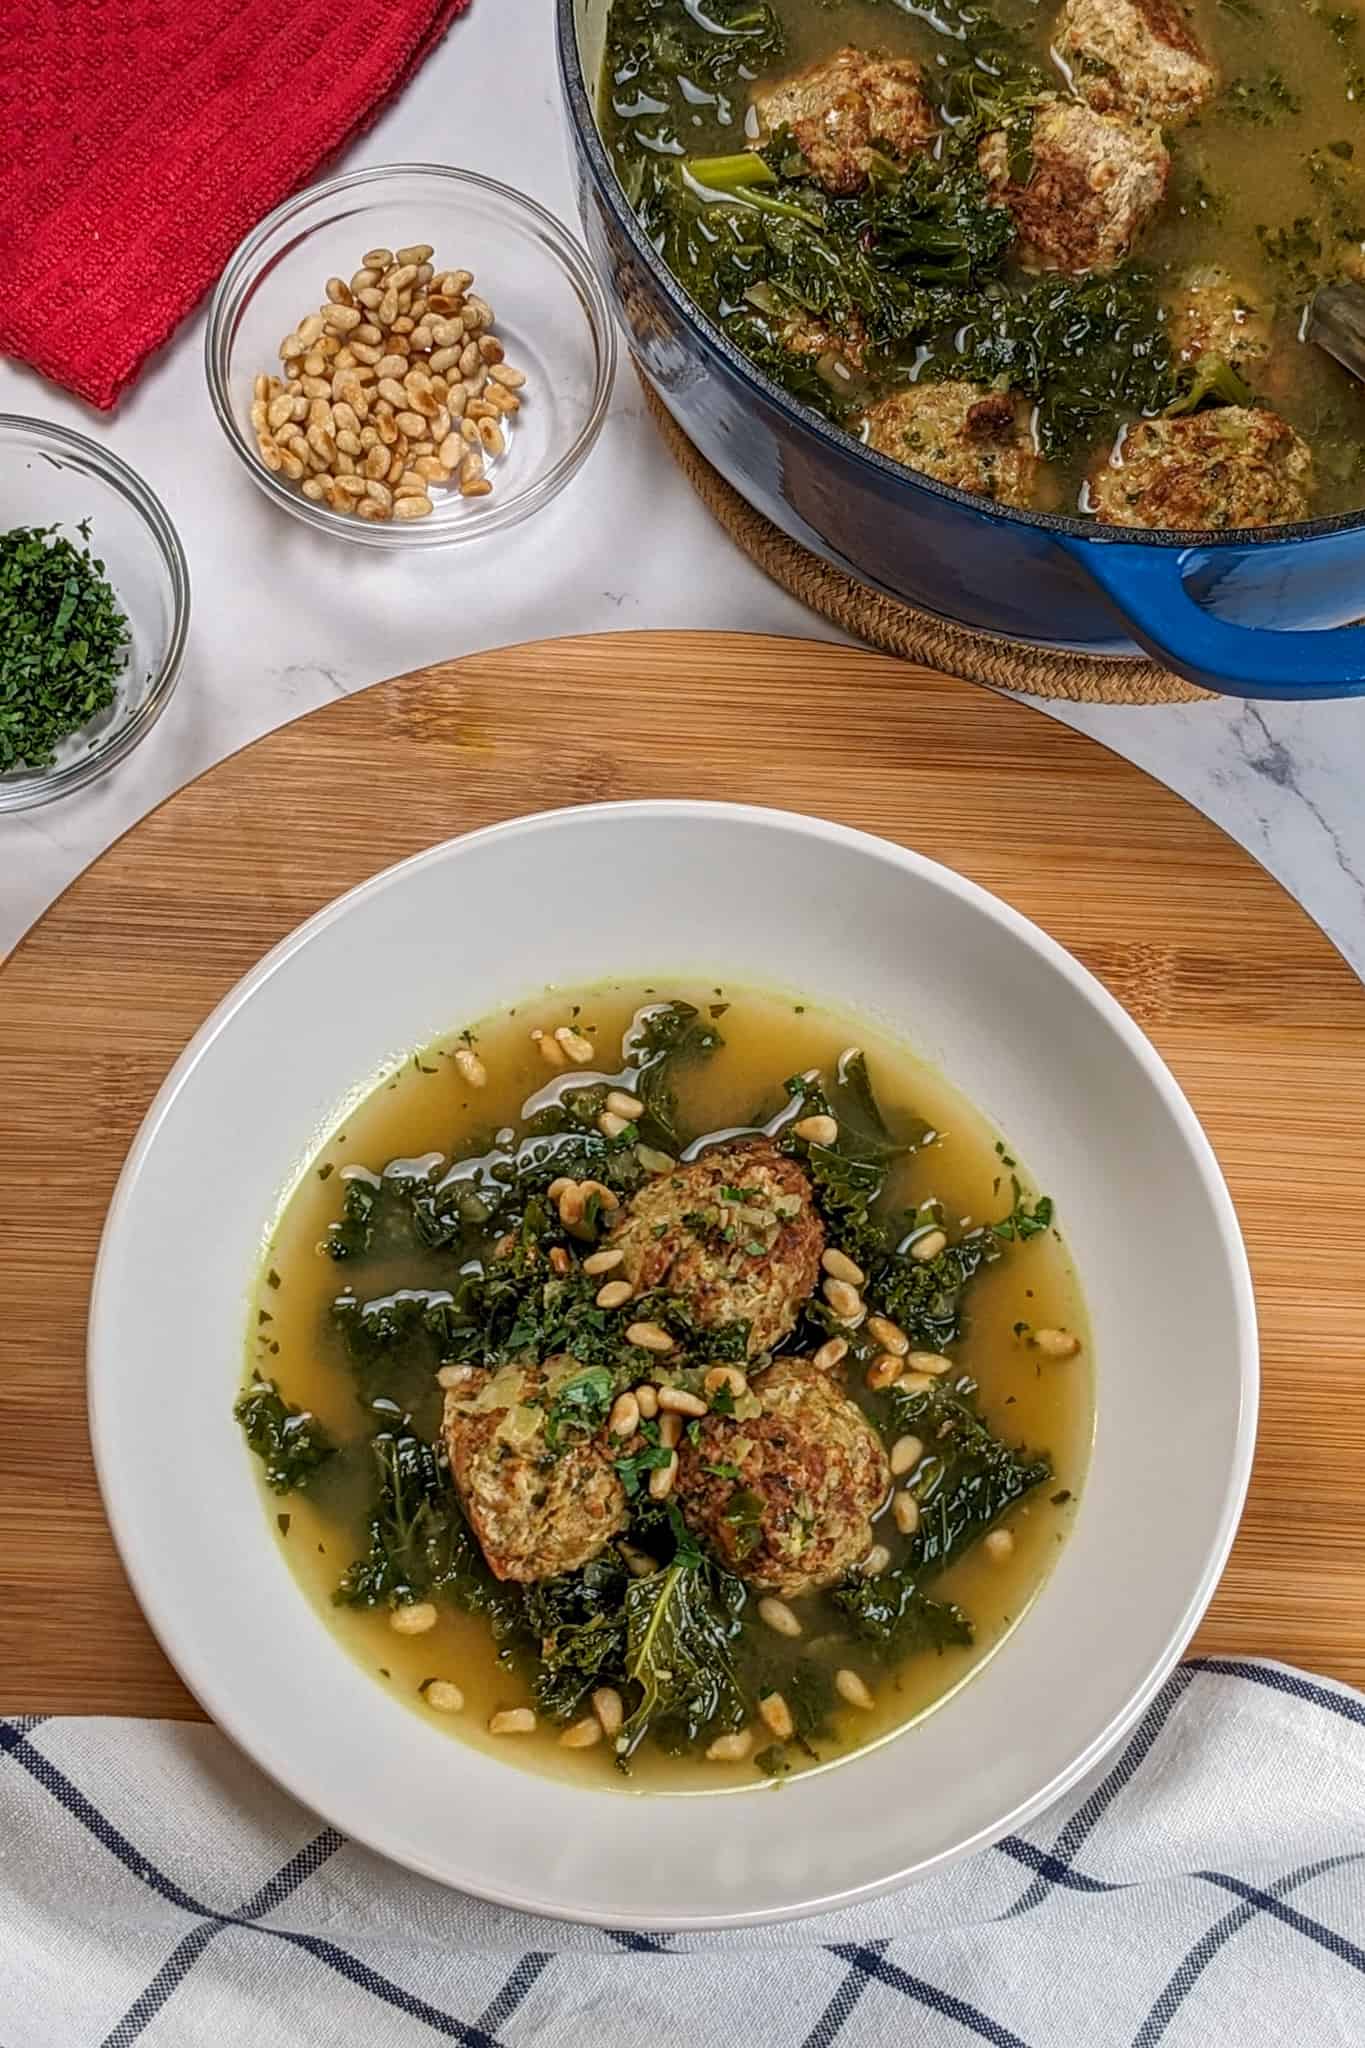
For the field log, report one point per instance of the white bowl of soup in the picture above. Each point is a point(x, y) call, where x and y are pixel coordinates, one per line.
point(648, 1307)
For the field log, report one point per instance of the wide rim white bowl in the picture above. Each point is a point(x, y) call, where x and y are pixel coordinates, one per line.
point(746, 895)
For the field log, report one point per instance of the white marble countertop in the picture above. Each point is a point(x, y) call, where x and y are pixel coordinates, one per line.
point(283, 621)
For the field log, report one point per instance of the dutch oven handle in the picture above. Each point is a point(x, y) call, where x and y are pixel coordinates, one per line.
point(1148, 587)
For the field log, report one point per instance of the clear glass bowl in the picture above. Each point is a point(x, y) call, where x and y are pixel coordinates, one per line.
point(52, 477)
point(550, 313)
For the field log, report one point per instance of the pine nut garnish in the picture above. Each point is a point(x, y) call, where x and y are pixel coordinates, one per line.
point(670, 1425)
point(662, 1477)
point(931, 1362)
point(929, 1246)
point(677, 1401)
point(609, 1709)
point(414, 1619)
point(998, 1545)
point(549, 1049)
point(776, 1615)
point(649, 1337)
point(905, 1510)
point(776, 1716)
point(442, 1696)
point(624, 1419)
point(574, 1044)
point(889, 1335)
point(599, 1262)
point(560, 1262)
point(831, 1354)
point(883, 1372)
point(731, 1749)
point(611, 1125)
point(512, 1721)
point(877, 1560)
point(621, 1104)
point(390, 327)
point(906, 1453)
point(852, 1688)
point(840, 1267)
point(648, 1398)
point(727, 1376)
point(845, 1301)
point(615, 1294)
point(1056, 1343)
point(816, 1130)
point(471, 1066)
point(582, 1734)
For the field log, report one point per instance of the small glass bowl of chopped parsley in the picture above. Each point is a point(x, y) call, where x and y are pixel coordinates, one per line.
point(94, 610)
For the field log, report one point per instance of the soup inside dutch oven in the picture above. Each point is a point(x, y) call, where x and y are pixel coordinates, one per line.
point(1057, 255)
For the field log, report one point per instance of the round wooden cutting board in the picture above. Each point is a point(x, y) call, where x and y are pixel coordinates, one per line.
point(1260, 1018)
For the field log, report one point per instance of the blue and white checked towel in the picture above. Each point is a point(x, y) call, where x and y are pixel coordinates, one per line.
point(1204, 1889)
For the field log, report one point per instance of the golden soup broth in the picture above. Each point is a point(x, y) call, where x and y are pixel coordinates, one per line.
point(1029, 1400)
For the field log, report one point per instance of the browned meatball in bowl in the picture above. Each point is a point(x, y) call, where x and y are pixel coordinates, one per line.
point(1231, 466)
point(847, 110)
point(534, 1511)
point(1139, 57)
point(735, 1234)
point(1092, 183)
point(809, 1474)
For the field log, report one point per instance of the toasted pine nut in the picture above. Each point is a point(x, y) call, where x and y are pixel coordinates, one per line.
point(503, 373)
point(607, 1197)
point(471, 1066)
point(560, 1262)
point(776, 1716)
point(998, 1545)
point(442, 1696)
point(621, 1104)
point(648, 1398)
point(414, 1619)
point(830, 1354)
point(609, 1709)
point(877, 1559)
point(556, 1189)
point(377, 259)
point(905, 1511)
point(412, 505)
point(582, 1734)
point(932, 1362)
point(889, 1335)
point(600, 1262)
point(914, 1383)
point(1057, 1343)
point(571, 1206)
point(929, 1246)
point(615, 1294)
point(611, 1125)
point(883, 1372)
point(578, 1048)
point(846, 1301)
point(649, 1337)
point(662, 1477)
point(817, 1130)
point(840, 1267)
point(728, 1376)
point(549, 1050)
point(512, 1721)
point(776, 1615)
point(677, 1401)
point(852, 1688)
point(454, 1375)
point(670, 1424)
point(624, 1419)
point(731, 1749)
point(906, 1453)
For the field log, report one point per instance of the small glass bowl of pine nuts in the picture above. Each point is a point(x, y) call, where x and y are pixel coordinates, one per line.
point(493, 260)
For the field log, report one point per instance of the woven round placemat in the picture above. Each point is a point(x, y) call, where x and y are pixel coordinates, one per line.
point(900, 629)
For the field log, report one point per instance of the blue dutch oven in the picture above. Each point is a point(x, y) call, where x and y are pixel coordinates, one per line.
point(1263, 613)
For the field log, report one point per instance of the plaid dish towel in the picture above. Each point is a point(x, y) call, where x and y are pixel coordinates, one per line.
point(1204, 1889)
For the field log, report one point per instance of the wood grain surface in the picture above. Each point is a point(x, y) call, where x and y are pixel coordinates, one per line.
point(1260, 1018)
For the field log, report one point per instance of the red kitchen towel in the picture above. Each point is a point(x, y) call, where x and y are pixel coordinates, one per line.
point(141, 139)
